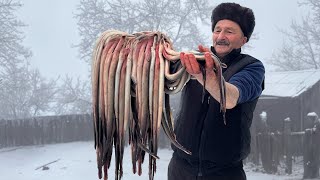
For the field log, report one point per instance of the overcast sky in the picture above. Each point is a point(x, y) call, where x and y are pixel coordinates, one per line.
point(51, 33)
point(52, 30)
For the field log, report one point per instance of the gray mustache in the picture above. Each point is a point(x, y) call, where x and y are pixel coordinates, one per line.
point(222, 43)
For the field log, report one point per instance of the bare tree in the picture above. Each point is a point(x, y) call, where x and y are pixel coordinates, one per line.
point(11, 50)
point(177, 18)
point(302, 48)
point(73, 97)
point(23, 91)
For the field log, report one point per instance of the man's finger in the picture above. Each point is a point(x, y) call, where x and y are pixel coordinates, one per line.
point(209, 61)
point(203, 49)
point(186, 63)
point(194, 64)
point(182, 59)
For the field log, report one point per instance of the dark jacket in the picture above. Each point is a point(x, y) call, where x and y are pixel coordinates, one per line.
point(200, 127)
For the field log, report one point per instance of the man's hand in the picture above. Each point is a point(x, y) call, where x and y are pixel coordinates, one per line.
point(212, 83)
point(192, 66)
point(190, 63)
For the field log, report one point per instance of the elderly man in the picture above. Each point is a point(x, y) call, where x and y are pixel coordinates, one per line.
point(218, 148)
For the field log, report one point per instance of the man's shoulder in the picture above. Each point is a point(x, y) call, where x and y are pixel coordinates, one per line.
point(242, 64)
point(251, 62)
point(247, 57)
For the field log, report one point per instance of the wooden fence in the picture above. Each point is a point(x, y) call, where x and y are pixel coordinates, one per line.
point(52, 129)
point(45, 130)
point(270, 148)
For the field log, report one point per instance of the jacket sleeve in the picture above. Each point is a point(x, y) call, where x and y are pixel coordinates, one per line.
point(249, 82)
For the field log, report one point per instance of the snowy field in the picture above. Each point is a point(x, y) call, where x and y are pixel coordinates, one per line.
point(77, 161)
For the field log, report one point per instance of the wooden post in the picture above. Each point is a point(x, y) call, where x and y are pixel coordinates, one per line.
point(310, 158)
point(306, 154)
point(287, 145)
point(311, 150)
point(316, 145)
point(267, 146)
point(2, 133)
point(273, 153)
point(254, 143)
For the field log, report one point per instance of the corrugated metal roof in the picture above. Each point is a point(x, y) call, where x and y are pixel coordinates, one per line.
point(289, 83)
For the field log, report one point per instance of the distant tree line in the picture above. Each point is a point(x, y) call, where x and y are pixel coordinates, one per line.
point(24, 92)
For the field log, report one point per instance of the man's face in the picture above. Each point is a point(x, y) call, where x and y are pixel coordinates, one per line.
point(227, 35)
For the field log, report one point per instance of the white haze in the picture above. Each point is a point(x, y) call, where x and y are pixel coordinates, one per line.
point(52, 30)
point(50, 33)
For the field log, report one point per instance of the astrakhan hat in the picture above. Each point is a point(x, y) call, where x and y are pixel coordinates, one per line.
point(234, 12)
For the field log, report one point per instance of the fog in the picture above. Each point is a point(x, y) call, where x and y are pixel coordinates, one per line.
point(51, 32)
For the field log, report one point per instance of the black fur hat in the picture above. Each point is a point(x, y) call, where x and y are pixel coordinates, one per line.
point(234, 12)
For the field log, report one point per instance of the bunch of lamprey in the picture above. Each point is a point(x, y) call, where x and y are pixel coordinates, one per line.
point(131, 83)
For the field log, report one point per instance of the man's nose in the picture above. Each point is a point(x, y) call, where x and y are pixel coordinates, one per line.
point(221, 36)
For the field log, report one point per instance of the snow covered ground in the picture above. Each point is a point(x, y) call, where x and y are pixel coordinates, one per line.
point(77, 161)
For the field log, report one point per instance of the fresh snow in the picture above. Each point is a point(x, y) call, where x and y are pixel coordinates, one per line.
point(77, 161)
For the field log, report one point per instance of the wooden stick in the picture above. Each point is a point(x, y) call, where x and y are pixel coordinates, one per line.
point(47, 164)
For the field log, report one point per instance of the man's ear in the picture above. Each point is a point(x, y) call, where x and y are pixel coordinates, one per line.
point(244, 40)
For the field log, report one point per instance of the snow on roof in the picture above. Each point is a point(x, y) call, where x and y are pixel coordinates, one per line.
point(289, 83)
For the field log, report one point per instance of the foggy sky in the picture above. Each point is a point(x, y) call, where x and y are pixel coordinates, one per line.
point(52, 31)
